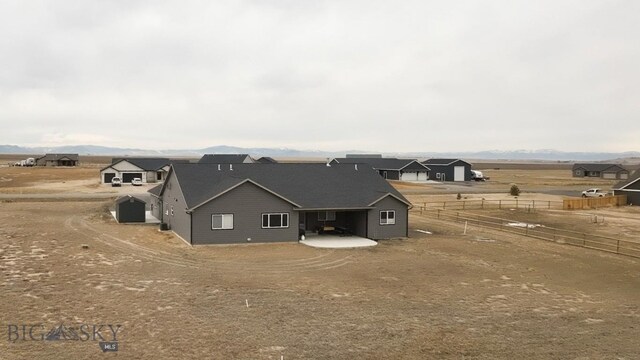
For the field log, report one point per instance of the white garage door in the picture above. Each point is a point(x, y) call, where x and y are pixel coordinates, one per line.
point(409, 176)
point(458, 173)
point(609, 175)
point(422, 176)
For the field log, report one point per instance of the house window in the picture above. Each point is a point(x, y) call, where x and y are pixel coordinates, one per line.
point(578, 172)
point(327, 216)
point(275, 221)
point(438, 176)
point(159, 175)
point(222, 222)
point(387, 217)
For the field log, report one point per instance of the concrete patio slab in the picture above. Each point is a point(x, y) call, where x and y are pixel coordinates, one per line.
point(337, 242)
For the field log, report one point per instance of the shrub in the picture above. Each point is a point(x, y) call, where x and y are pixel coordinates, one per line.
point(515, 190)
point(459, 196)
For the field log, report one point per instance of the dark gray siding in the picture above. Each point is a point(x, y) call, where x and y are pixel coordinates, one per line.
point(449, 171)
point(391, 174)
point(180, 221)
point(633, 197)
point(399, 229)
point(247, 203)
point(132, 210)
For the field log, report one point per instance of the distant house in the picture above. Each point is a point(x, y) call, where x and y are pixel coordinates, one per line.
point(130, 209)
point(150, 170)
point(240, 203)
point(391, 168)
point(266, 160)
point(364, 156)
point(449, 170)
point(604, 171)
point(629, 187)
point(58, 160)
point(226, 159)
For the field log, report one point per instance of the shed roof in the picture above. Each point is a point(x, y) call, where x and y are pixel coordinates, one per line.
point(127, 198)
point(306, 186)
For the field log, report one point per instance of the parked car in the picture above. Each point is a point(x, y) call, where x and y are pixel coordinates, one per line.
point(136, 182)
point(478, 176)
point(116, 181)
point(593, 193)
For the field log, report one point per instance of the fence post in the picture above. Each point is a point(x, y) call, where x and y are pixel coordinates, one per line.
point(584, 239)
point(618, 247)
point(457, 216)
point(516, 203)
point(482, 204)
point(463, 203)
point(549, 204)
point(500, 204)
point(444, 205)
point(438, 213)
point(534, 204)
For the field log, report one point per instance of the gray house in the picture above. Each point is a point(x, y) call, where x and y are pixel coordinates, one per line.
point(449, 170)
point(630, 187)
point(149, 170)
point(240, 203)
point(130, 209)
point(58, 160)
point(226, 159)
point(391, 168)
point(604, 171)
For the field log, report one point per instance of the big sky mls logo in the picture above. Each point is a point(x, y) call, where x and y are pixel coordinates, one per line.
point(106, 335)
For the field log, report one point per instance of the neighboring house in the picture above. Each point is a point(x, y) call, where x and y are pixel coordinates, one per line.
point(630, 187)
point(364, 156)
point(130, 209)
point(240, 203)
point(391, 168)
point(58, 160)
point(604, 171)
point(150, 170)
point(266, 160)
point(449, 170)
point(226, 159)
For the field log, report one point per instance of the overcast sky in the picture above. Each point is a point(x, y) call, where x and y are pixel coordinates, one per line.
point(388, 76)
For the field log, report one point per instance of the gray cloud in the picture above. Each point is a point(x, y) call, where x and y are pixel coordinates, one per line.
point(331, 75)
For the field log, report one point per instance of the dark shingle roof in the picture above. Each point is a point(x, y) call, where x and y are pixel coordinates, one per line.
point(49, 157)
point(379, 163)
point(309, 186)
point(129, 198)
point(266, 160)
point(442, 161)
point(595, 166)
point(624, 183)
point(223, 158)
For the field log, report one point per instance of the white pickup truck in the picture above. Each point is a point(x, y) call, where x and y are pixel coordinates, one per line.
point(593, 193)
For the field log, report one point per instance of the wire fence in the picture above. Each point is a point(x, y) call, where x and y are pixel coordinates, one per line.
point(562, 236)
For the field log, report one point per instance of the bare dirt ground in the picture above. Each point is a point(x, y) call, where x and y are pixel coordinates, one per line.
point(484, 295)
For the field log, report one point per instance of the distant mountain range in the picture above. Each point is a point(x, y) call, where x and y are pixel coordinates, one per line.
point(515, 155)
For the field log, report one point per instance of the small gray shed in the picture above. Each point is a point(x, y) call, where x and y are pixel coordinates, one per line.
point(130, 209)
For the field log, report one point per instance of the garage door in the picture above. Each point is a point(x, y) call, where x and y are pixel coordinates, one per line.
point(127, 177)
point(458, 173)
point(108, 177)
point(609, 175)
point(422, 176)
point(409, 176)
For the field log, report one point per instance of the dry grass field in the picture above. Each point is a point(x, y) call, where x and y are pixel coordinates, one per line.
point(443, 295)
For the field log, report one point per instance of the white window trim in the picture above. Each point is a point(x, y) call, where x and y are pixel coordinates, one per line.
point(224, 217)
point(386, 221)
point(269, 221)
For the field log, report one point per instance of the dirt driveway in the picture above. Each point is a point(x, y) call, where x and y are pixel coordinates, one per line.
point(441, 295)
